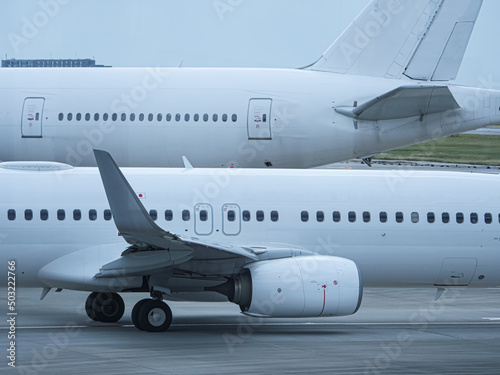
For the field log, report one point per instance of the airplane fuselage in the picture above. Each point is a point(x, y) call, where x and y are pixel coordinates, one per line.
point(402, 229)
point(152, 117)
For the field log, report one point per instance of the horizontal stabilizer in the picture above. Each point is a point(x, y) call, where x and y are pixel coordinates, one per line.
point(420, 39)
point(403, 102)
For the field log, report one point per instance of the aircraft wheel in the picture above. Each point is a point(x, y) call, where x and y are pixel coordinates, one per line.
point(135, 313)
point(155, 316)
point(88, 305)
point(108, 307)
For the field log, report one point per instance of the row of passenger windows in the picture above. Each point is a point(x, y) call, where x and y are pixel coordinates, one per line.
point(169, 215)
point(399, 217)
point(231, 216)
point(150, 117)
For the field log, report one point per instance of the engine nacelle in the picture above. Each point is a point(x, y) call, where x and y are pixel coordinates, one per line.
point(309, 286)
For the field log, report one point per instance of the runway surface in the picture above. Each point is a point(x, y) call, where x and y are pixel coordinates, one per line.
point(395, 332)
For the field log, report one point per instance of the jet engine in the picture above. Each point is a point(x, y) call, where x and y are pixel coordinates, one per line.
point(296, 287)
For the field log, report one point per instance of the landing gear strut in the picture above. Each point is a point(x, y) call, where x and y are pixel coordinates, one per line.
point(152, 315)
point(104, 307)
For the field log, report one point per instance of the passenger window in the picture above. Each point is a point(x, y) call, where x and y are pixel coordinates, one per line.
point(399, 217)
point(150, 117)
point(159, 117)
point(383, 217)
point(169, 215)
point(231, 215)
point(92, 215)
point(488, 218)
point(28, 215)
point(224, 117)
point(61, 215)
point(105, 117)
point(124, 117)
point(168, 117)
point(78, 116)
point(141, 117)
point(70, 116)
point(114, 117)
point(132, 117)
point(205, 117)
point(77, 215)
point(474, 218)
point(260, 215)
point(178, 117)
point(445, 217)
point(274, 216)
point(44, 215)
point(153, 214)
point(186, 215)
point(460, 218)
point(246, 215)
point(107, 215)
point(304, 216)
point(235, 117)
point(87, 117)
point(61, 116)
point(96, 117)
point(336, 217)
point(186, 117)
point(366, 217)
point(203, 215)
point(320, 216)
point(415, 217)
point(431, 217)
point(352, 217)
point(215, 117)
point(196, 117)
point(11, 215)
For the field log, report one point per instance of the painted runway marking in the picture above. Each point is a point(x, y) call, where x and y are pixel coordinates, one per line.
point(492, 321)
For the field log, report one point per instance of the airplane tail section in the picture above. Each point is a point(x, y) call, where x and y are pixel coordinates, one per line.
point(418, 39)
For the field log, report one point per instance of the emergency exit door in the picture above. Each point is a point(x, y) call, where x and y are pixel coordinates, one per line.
point(259, 119)
point(31, 123)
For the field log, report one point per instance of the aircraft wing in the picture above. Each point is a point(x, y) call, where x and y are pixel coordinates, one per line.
point(403, 102)
point(151, 247)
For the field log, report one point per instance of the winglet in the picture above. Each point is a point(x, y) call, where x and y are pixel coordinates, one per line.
point(131, 218)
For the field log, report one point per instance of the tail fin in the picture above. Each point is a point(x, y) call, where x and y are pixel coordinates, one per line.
point(420, 39)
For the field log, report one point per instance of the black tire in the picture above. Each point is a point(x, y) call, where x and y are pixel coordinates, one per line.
point(88, 306)
point(135, 313)
point(155, 316)
point(108, 307)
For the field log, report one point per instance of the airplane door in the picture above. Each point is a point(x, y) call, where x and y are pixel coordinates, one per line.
point(31, 123)
point(203, 224)
point(231, 222)
point(259, 119)
point(457, 272)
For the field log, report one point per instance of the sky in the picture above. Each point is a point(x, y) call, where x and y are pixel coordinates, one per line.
point(207, 33)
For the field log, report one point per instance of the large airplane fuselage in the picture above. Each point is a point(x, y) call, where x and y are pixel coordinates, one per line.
point(402, 229)
point(216, 117)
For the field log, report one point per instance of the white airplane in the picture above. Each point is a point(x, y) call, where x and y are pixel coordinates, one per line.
point(279, 243)
point(383, 84)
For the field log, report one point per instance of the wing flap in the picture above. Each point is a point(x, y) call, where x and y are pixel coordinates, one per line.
point(404, 102)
